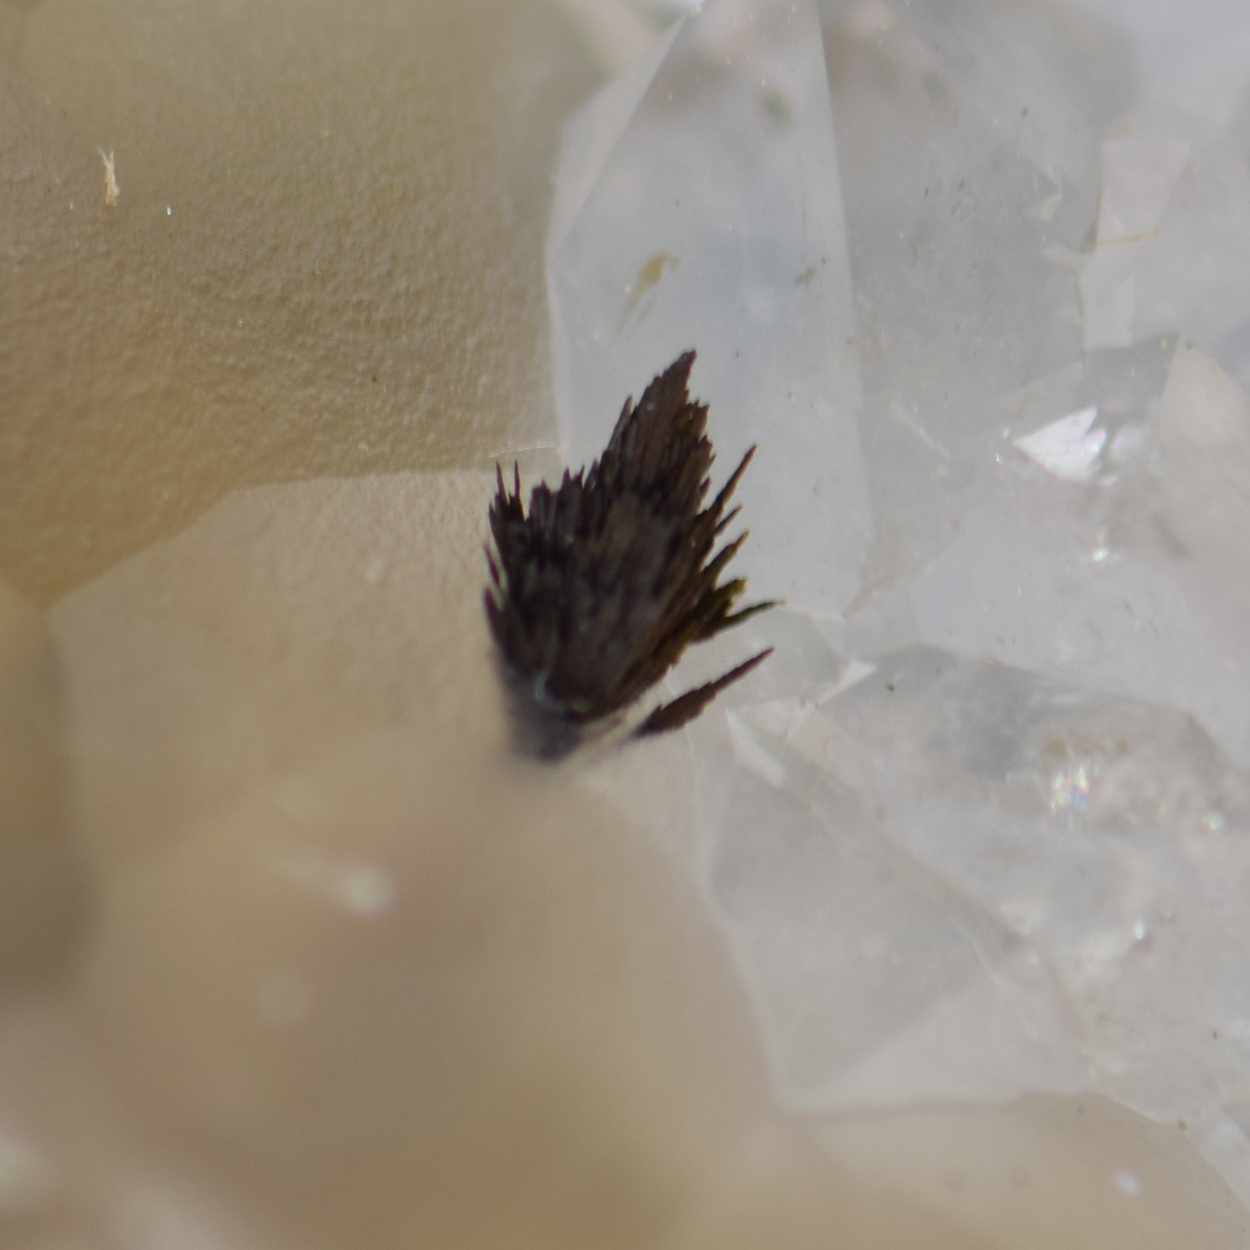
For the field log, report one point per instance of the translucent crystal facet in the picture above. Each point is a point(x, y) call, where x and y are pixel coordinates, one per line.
point(980, 827)
point(698, 205)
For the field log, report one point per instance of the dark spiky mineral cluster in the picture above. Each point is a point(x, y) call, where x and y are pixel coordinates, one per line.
point(598, 591)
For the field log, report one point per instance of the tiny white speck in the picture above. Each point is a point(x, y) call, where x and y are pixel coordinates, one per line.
point(169, 210)
point(375, 570)
point(112, 192)
point(1128, 1183)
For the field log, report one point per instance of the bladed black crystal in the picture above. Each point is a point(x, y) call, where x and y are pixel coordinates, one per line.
point(597, 591)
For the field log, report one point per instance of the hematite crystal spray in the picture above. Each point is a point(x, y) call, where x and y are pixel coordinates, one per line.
point(597, 591)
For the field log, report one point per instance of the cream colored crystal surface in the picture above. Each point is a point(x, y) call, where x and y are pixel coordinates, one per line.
point(293, 953)
point(352, 967)
point(326, 257)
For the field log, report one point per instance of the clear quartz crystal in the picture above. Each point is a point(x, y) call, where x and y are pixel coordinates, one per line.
point(698, 205)
point(985, 827)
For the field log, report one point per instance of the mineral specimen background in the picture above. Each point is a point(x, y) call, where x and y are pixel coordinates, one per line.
point(933, 932)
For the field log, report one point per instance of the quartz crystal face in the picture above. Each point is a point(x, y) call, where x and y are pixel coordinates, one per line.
point(976, 275)
point(701, 189)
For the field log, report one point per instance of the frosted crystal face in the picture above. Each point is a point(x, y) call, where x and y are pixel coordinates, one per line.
point(699, 200)
point(980, 826)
